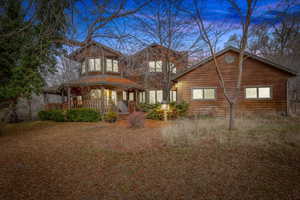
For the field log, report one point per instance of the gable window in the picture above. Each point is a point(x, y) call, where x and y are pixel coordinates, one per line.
point(155, 96)
point(173, 94)
point(203, 93)
point(94, 64)
point(155, 66)
point(258, 92)
point(112, 65)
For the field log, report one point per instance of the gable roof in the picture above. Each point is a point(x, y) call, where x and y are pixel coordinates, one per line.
point(77, 51)
point(157, 45)
point(230, 48)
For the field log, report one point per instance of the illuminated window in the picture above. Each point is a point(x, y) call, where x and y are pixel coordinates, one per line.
point(155, 66)
point(83, 67)
point(258, 93)
point(114, 96)
point(203, 93)
point(94, 64)
point(112, 65)
point(95, 93)
point(131, 96)
point(155, 96)
point(142, 96)
point(173, 94)
point(124, 96)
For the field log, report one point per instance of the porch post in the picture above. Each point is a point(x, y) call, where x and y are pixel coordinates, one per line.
point(102, 100)
point(69, 98)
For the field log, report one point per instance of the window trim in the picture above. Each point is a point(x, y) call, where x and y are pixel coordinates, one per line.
point(94, 64)
point(257, 92)
point(155, 94)
point(155, 66)
point(113, 65)
point(203, 88)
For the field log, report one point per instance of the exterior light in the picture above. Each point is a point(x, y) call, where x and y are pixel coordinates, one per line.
point(165, 108)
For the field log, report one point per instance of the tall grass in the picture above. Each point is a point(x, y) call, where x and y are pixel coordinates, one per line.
point(250, 131)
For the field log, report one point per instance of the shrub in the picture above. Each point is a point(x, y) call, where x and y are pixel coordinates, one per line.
point(55, 115)
point(156, 114)
point(179, 109)
point(136, 120)
point(110, 117)
point(44, 115)
point(146, 107)
point(83, 115)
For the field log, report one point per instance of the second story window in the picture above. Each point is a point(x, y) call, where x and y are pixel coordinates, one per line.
point(172, 68)
point(83, 67)
point(155, 66)
point(112, 65)
point(94, 64)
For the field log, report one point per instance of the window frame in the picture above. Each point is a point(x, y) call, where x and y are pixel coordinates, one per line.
point(171, 96)
point(155, 66)
point(155, 96)
point(114, 65)
point(94, 64)
point(257, 92)
point(203, 96)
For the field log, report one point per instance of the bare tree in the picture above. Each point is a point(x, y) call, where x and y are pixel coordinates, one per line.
point(210, 36)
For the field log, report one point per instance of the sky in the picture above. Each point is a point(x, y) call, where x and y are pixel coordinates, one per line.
point(217, 12)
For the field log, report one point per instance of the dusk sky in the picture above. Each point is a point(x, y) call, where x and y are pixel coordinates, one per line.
point(214, 11)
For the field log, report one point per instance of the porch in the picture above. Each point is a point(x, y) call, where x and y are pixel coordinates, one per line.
point(103, 95)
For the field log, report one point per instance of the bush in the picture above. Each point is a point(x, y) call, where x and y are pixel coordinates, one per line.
point(83, 115)
point(176, 110)
point(110, 117)
point(136, 120)
point(44, 115)
point(55, 115)
point(146, 107)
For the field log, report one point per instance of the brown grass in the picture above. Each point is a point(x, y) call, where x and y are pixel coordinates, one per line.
point(249, 131)
point(48, 160)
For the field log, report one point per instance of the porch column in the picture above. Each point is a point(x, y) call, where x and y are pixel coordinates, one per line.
point(69, 98)
point(102, 110)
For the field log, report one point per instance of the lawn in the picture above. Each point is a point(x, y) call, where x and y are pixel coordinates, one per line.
point(90, 161)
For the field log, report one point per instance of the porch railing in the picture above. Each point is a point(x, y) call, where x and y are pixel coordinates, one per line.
point(96, 104)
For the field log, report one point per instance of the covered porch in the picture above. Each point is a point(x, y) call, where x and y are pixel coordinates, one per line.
point(102, 93)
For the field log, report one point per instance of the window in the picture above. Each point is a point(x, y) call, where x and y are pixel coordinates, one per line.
point(258, 93)
point(172, 68)
point(114, 97)
point(83, 67)
point(112, 65)
point(94, 64)
point(173, 94)
point(131, 96)
point(95, 94)
point(203, 93)
point(142, 96)
point(155, 96)
point(155, 66)
point(124, 96)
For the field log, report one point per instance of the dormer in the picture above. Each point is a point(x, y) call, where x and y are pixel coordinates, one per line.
point(96, 58)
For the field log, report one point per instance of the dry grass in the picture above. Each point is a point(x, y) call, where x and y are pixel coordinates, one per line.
point(53, 161)
point(249, 131)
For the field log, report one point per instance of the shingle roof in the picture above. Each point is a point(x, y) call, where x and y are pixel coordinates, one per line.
point(230, 48)
point(104, 80)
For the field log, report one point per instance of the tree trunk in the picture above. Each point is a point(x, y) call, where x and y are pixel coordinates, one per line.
point(29, 103)
point(231, 116)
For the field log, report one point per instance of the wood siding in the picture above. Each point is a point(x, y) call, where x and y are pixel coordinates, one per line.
point(255, 73)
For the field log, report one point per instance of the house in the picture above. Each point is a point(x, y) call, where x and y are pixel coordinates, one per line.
point(263, 87)
point(111, 81)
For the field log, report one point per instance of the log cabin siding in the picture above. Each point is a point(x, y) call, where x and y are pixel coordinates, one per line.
point(255, 73)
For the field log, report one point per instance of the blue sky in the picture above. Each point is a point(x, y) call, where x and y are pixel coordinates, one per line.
point(214, 11)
